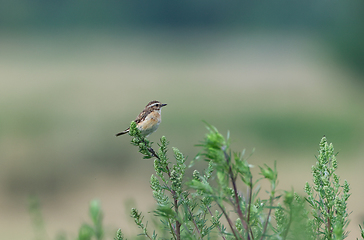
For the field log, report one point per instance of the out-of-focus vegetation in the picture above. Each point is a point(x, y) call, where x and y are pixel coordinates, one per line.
point(339, 23)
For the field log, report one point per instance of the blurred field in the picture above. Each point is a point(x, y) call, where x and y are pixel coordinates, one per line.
point(64, 95)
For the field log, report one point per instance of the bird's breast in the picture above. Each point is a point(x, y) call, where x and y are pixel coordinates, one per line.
point(150, 123)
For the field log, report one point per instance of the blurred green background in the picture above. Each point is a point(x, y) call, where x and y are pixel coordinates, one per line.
point(278, 76)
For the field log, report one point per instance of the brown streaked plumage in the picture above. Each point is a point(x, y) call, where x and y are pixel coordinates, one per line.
point(149, 119)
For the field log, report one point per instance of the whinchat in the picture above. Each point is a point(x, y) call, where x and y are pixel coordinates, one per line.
point(149, 119)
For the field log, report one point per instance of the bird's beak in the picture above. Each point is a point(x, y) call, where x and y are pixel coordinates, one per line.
point(164, 104)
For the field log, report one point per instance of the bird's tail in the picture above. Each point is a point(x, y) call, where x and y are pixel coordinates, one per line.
point(122, 133)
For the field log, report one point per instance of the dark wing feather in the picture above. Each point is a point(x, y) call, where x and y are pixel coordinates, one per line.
point(141, 117)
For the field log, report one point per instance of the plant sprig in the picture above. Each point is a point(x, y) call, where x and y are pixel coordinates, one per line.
point(327, 197)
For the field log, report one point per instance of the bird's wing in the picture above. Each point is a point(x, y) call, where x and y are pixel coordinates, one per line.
point(141, 117)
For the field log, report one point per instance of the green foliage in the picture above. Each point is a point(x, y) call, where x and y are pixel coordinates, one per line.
point(94, 230)
point(210, 205)
point(327, 197)
point(138, 140)
point(362, 231)
point(119, 235)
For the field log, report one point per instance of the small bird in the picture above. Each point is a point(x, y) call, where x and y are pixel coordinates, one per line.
point(149, 119)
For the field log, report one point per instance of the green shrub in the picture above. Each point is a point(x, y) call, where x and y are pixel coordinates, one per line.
point(210, 205)
point(224, 202)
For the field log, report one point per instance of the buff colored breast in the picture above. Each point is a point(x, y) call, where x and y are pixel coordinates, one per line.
point(150, 124)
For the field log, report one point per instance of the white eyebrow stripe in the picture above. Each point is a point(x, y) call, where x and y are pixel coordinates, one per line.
point(151, 105)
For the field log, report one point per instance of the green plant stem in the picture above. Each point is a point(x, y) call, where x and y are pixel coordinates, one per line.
point(267, 220)
point(178, 224)
point(218, 225)
point(174, 195)
point(175, 202)
point(237, 202)
point(172, 229)
point(148, 236)
point(289, 225)
point(328, 214)
point(249, 205)
point(228, 220)
point(329, 223)
point(194, 222)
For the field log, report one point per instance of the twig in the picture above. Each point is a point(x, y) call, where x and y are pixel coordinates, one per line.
point(267, 220)
point(151, 150)
point(249, 204)
point(228, 220)
point(172, 229)
point(289, 224)
point(218, 225)
point(193, 220)
point(174, 195)
point(237, 202)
